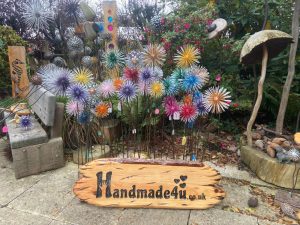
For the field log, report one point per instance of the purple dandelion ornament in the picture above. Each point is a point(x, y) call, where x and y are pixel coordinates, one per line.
point(127, 92)
point(78, 93)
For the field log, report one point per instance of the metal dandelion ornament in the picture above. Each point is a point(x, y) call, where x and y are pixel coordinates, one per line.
point(127, 92)
point(113, 59)
point(36, 15)
point(216, 99)
point(154, 55)
point(187, 56)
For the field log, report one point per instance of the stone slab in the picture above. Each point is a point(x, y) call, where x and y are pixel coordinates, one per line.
point(42, 103)
point(38, 158)
point(81, 213)
point(237, 197)
point(11, 188)
point(50, 195)
point(269, 169)
point(57, 222)
point(14, 217)
point(266, 222)
point(220, 217)
point(19, 137)
point(153, 216)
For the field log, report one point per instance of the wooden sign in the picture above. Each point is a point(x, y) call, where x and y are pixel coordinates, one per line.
point(148, 184)
point(111, 23)
point(18, 72)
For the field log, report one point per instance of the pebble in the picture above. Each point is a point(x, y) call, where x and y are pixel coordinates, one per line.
point(271, 152)
point(253, 202)
point(259, 144)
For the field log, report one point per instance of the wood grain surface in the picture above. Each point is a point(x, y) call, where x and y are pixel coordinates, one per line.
point(198, 181)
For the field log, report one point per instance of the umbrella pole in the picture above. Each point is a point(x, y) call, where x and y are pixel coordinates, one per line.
point(259, 95)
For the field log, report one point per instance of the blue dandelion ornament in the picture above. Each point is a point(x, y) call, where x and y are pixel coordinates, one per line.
point(25, 122)
point(84, 118)
point(191, 83)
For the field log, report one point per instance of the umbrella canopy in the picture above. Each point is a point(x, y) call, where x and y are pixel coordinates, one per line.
point(274, 40)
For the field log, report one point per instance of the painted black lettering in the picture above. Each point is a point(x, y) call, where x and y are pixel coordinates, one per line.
point(151, 193)
point(174, 192)
point(141, 193)
point(159, 192)
point(167, 194)
point(123, 193)
point(132, 192)
point(182, 194)
point(116, 193)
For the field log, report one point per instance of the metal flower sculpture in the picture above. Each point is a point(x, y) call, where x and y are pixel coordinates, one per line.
point(25, 122)
point(56, 79)
point(201, 72)
point(36, 15)
point(127, 92)
point(83, 76)
point(102, 110)
point(154, 55)
point(187, 56)
point(134, 59)
point(74, 108)
point(75, 44)
point(106, 89)
point(188, 112)
point(113, 59)
point(157, 89)
point(78, 93)
point(216, 99)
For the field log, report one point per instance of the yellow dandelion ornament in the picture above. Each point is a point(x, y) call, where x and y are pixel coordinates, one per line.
point(187, 56)
point(154, 55)
point(83, 76)
point(156, 89)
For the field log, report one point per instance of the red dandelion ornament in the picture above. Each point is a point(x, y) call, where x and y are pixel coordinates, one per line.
point(188, 112)
point(131, 74)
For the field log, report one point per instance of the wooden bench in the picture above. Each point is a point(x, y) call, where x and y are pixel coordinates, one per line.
point(41, 147)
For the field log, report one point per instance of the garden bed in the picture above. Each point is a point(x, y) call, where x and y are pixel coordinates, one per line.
point(269, 169)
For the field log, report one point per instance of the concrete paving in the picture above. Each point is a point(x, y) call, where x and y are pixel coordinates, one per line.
point(47, 199)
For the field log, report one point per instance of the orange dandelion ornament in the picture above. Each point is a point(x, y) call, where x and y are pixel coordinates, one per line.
point(101, 110)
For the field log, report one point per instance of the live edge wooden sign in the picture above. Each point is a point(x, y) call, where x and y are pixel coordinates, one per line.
point(148, 184)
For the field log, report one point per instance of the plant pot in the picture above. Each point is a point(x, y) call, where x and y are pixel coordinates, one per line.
point(110, 130)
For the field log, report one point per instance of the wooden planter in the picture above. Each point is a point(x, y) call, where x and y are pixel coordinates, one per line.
point(269, 169)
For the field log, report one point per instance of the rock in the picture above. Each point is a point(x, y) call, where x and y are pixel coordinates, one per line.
point(271, 152)
point(286, 144)
point(256, 136)
point(279, 149)
point(253, 202)
point(278, 141)
point(266, 139)
point(273, 145)
point(259, 144)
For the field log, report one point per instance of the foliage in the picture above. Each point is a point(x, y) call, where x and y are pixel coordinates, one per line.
point(187, 25)
point(8, 37)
